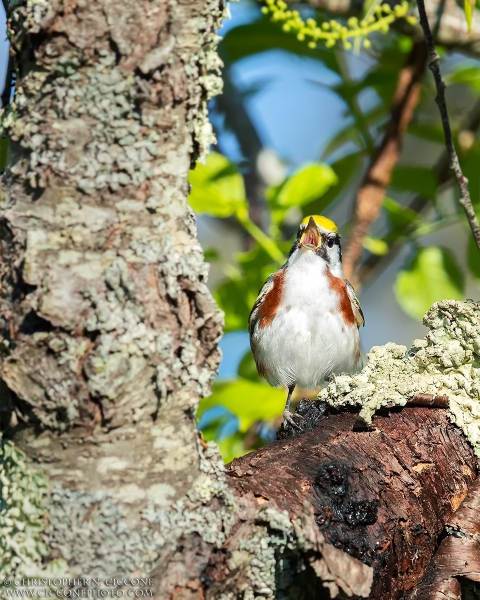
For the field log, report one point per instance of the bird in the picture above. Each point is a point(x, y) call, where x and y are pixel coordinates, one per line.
point(304, 325)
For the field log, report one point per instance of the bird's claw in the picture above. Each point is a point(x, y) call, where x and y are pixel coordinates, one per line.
point(289, 417)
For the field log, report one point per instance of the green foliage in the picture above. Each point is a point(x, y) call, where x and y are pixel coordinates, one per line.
point(217, 187)
point(433, 276)
point(375, 245)
point(333, 31)
point(468, 6)
point(300, 189)
point(249, 401)
point(238, 293)
point(303, 187)
point(403, 220)
point(421, 180)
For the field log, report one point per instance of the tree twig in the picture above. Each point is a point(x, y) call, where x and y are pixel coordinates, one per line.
point(372, 190)
point(434, 66)
point(429, 400)
point(375, 265)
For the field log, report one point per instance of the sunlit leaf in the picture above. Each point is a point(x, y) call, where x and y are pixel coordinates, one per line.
point(420, 180)
point(346, 168)
point(434, 275)
point(375, 245)
point(305, 186)
point(468, 7)
point(232, 447)
point(247, 400)
point(217, 187)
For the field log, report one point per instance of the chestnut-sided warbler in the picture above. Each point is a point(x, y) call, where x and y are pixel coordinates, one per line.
point(304, 324)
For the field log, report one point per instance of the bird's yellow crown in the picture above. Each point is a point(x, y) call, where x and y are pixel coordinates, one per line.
point(324, 222)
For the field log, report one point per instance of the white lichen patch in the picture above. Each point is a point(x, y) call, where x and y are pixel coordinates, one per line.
point(446, 362)
point(117, 146)
point(23, 494)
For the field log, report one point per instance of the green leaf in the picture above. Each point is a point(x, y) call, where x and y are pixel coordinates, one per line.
point(345, 168)
point(247, 369)
point(402, 219)
point(467, 74)
point(303, 187)
point(473, 258)
point(232, 447)
point(307, 185)
point(217, 187)
point(468, 7)
point(375, 245)
point(237, 295)
point(211, 254)
point(247, 400)
point(434, 275)
point(420, 180)
point(428, 131)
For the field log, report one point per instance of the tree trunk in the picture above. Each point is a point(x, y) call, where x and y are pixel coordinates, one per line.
point(109, 334)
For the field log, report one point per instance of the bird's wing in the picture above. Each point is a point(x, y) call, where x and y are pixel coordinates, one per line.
point(357, 310)
point(254, 314)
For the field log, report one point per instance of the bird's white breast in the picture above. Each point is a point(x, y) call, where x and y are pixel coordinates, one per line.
point(308, 339)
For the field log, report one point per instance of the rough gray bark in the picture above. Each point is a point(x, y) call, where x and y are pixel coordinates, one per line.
point(109, 334)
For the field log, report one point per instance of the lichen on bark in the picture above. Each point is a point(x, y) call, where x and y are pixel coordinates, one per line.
point(109, 335)
point(445, 362)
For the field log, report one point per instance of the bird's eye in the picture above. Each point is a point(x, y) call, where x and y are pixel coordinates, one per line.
point(331, 242)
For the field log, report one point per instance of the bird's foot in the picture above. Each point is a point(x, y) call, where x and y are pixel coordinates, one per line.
point(289, 417)
point(332, 379)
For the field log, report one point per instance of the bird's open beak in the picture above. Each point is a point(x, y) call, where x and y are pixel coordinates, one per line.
point(311, 239)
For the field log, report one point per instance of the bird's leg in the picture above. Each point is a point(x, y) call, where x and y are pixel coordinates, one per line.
point(287, 415)
point(331, 378)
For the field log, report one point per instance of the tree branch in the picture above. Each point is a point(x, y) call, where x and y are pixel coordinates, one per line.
point(434, 66)
point(457, 556)
point(375, 264)
point(372, 191)
point(383, 495)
